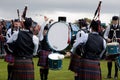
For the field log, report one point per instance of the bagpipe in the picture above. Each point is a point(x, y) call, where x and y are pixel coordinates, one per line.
point(97, 16)
point(24, 13)
point(10, 47)
point(23, 16)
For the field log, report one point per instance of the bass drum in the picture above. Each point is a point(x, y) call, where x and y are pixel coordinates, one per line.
point(59, 36)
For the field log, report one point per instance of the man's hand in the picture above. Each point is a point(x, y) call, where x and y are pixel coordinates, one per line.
point(68, 54)
point(109, 40)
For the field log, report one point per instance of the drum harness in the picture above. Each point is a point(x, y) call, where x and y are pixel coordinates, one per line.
point(114, 38)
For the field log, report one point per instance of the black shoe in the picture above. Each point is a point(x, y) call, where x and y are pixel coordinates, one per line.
point(77, 78)
point(115, 78)
point(108, 77)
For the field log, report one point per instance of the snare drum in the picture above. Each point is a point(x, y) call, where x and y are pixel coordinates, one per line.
point(55, 61)
point(113, 48)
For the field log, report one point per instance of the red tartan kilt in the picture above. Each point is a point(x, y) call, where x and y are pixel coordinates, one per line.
point(86, 69)
point(43, 58)
point(9, 58)
point(89, 70)
point(74, 62)
point(23, 69)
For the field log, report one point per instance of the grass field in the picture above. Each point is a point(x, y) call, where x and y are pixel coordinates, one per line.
point(63, 74)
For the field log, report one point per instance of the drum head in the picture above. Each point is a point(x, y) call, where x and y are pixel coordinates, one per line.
point(112, 44)
point(55, 56)
point(58, 36)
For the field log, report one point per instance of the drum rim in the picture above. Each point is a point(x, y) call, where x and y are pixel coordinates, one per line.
point(111, 44)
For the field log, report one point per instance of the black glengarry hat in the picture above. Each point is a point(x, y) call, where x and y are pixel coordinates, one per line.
point(95, 24)
point(115, 18)
point(28, 22)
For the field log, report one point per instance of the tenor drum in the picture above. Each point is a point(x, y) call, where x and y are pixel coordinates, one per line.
point(55, 61)
point(113, 48)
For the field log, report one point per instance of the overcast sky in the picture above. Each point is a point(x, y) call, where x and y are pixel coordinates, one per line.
point(72, 9)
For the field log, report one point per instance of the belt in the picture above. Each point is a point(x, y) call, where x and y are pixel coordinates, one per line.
point(23, 58)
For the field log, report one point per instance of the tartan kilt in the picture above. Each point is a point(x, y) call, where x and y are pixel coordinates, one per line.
point(74, 63)
point(86, 69)
point(23, 69)
point(43, 58)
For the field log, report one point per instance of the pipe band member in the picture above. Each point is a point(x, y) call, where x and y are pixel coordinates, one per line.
point(23, 44)
point(9, 57)
point(43, 55)
point(87, 65)
point(109, 33)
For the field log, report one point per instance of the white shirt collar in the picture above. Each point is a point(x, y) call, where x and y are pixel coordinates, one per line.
point(94, 32)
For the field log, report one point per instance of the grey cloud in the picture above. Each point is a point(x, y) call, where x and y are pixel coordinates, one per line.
point(10, 6)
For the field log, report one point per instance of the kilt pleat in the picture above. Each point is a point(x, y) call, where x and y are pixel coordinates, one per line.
point(85, 68)
point(23, 69)
point(43, 58)
point(74, 66)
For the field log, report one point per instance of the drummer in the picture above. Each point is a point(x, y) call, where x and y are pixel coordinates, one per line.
point(83, 25)
point(93, 46)
point(108, 36)
point(44, 52)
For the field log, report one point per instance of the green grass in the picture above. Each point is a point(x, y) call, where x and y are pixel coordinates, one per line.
point(63, 74)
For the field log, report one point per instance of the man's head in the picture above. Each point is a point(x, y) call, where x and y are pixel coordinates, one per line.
point(1, 26)
point(35, 28)
point(82, 23)
point(28, 23)
point(17, 24)
point(95, 25)
point(115, 20)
